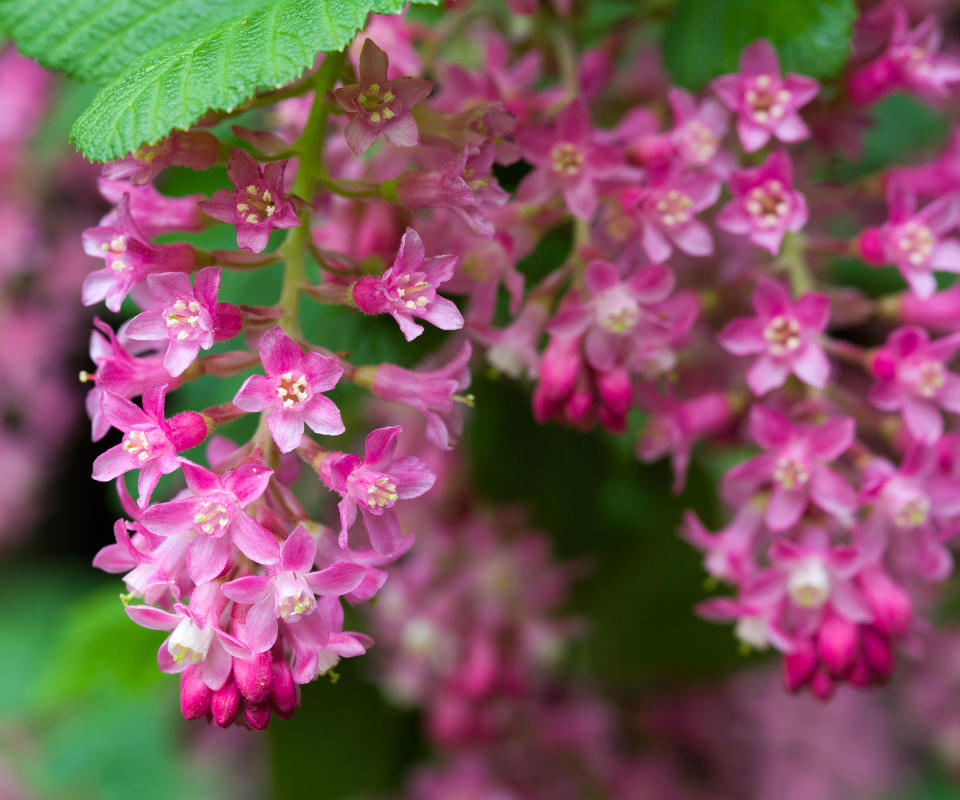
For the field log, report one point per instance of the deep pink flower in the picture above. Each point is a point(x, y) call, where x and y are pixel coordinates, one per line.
point(155, 213)
point(784, 336)
point(196, 635)
point(375, 484)
point(408, 289)
point(765, 102)
point(665, 213)
point(912, 378)
point(291, 391)
point(794, 466)
point(914, 240)
point(119, 371)
point(214, 516)
point(129, 257)
point(377, 106)
point(567, 158)
point(256, 205)
point(911, 62)
point(431, 392)
point(193, 149)
point(765, 205)
point(192, 320)
point(150, 442)
point(288, 590)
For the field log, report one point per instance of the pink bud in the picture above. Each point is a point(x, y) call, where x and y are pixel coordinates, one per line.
point(859, 675)
point(837, 641)
point(877, 652)
point(194, 693)
point(257, 715)
point(798, 666)
point(614, 388)
point(822, 685)
point(254, 676)
point(368, 296)
point(187, 430)
point(891, 605)
point(227, 321)
point(225, 704)
point(284, 692)
point(870, 246)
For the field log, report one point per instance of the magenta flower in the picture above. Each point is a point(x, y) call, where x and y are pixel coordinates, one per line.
point(431, 392)
point(129, 257)
point(315, 654)
point(374, 484)
point(256, 205)
point(784, 336)
point(567, 158)
point(698, 130)
point(150, 442)
point(915, 241)
point(155, 213)
point(408, 289)
point(196, 636)
point(291, 391)
point(192, 320)
point(911, 62)
point(765, 206)
point(765, 103)
point(666, 212)
point(288, 590)
point(794, 467)
point(214, 515)
point(935, 178)
point(377, 106)
point(729, 553)
point(120, 372)
point(193, 149)
point(912, 378)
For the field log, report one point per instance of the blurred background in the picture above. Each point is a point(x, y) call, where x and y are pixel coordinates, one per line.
point(634, 695)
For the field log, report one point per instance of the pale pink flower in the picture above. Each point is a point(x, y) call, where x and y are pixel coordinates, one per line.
point(155, 213)
point(193, 149)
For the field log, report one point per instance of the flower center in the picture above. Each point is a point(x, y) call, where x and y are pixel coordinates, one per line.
point(113, 253)
point(674, 208)
point(292, 390)
point(256, 204)
point(931, 378)
point(183, 318)
point(767, 99)
point(790, 473)
point(782, 335)
point(411, 292)
point(768, 204)
point(294, 597)
point(137, 445)
point(375, 489)
point(375, 100)
point(212, 518)
point(912, 513)
point(189, 642)
point(916, 241)
point(699, 141)
point(617, 312)
point(567, 158)
point(809, 584)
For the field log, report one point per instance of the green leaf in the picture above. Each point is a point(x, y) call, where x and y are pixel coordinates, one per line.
point(704, 38)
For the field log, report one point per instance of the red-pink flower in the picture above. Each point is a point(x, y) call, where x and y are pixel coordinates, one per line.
point(914, 240)
point(191, 319)
point(912, 378)
point(377, 106)
point(408, 289)
point(288, 591)
point(291, 391)
point(567, 158)
point(257, 204)
point(765, 102)
point(193, 149)
point(129, 258)
point(374, 485)
point(794, 467)
point(214, 516)
point(765, 205)
point(784, 336)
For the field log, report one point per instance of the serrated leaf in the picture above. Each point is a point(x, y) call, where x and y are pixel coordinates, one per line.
point(704, 38)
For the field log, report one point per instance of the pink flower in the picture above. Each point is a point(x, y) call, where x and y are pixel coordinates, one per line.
point(214, 517)
point(783, 334)
point(794, 467)
point(915, 240)
point(408, 289)
point(120, 372)
point(192, 320)
point(155, 213)
point(377, 106)
point(567, 158)
point(150, 442)
point(288, 591)
point(374, 485)
point(765, 206)
point(291, 391)
point(311, 655)
point(910, 62)
point(256, 205)
point(196, 635)
point(912, 378)
point(431, 392)
point(129, 257)
point(936, 178)
point(665, 212)
point(194, 149)
point(698, 130)
point(766, 104)
point(729, 553)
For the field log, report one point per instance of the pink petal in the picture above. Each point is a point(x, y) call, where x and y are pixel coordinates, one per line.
point(338, 579)
point(766, 374)
point(121, 413)
point(168, 287)
point(812, 311)
point(383, 530)
point(812, 365)
point(752, 137)
point(169, 519)
point(153, 618)
point(257, 393)
point(254, 541)
point(379, 446)
point(286, 428)
point(922, 419)
point(279, 353)
point(323, 372)
point(260, 629)
point(694, 239)
point(771, 298)
point(414, 477)
point(215, 668)
point(200, 480)
point(247, 482)
point(298, 552)
point(248, 589)
point(323, 417)
point(112, 463)
point(150, 326)
point(206, 558)
point(402, 131)
point(760, 59)
point(581, 198)
point(832, 493)
point(360, 134)
point(832, 438)
point(785, 508)
point(743, 336)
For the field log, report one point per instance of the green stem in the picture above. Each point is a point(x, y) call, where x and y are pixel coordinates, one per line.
point(309, 149)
